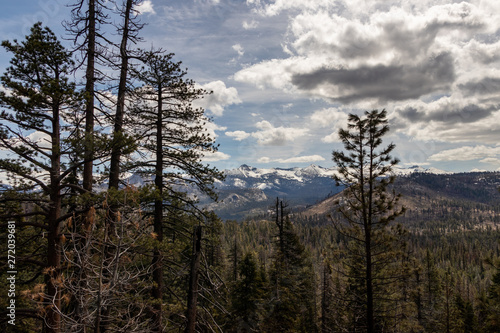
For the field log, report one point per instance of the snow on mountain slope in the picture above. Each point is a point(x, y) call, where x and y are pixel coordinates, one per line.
point(250, 177)
point(248, 190)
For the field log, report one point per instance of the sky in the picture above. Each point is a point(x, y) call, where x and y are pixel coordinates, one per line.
point(285, 74)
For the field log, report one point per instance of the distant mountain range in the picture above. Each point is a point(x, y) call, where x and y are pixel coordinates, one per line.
point(249, 191)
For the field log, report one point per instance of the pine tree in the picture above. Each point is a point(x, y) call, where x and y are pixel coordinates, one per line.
point(493, 301)
point(86, 25)
point(247, 298)
point(293, 302)
point(175, 146)
point(368, 207)
point(39, 99)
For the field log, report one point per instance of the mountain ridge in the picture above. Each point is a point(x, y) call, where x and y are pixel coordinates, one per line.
point(248, 190)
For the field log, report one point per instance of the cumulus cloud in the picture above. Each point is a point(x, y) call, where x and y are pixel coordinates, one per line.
point(250, 25)
point(219, 99)
point(380, 82)
point(217, 156)
point(483, 86)
point(238, 48)
point(40, 139)
point(302, 159)
point(296, 159)
point(433, 64)
point(268, 135)
point(238, 135)
point(146, 7)
point(467, 153)
point(450, 119)
point(212, 128)
point(332, 118)
point(387, 52)
point(448, 111)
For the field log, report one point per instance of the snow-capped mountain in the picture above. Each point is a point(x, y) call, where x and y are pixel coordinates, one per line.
point(248, 190)
point(273, 177)
point(400, 171)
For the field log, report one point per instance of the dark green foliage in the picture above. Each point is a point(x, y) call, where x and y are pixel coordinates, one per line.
point(292, 277)
point(36, 108)
point(247, 297)
point(373, 247)
point(180, 139)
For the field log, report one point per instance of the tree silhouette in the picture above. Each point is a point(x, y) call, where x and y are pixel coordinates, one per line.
point(368, 207)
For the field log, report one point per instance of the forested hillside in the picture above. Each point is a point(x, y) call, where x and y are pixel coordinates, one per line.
point(452, 253)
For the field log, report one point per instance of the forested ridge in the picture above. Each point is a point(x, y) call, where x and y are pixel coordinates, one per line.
point(84, 251)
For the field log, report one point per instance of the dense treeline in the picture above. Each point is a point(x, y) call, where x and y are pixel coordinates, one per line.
point(453, 282)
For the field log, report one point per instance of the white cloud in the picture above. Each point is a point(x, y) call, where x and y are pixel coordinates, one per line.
point(146, 7)
point(466, 153)
point(453, 118)
point(264, 159)
point(353, 51)
point(238, 135)
point(219, 99)
point(212, 127)
point(41, 139)
point(490, 160)
point(277, 73)
point(296, 159)
point(268, 135)
point(250, 25)
point(302, 159)
point(238, 48)
point(332, 118)
point(217, 156)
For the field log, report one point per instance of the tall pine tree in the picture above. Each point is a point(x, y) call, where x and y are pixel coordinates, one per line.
point(36, 105)
point(367, 209)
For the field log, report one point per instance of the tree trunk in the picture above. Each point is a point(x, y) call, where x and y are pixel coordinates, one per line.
point(89, 103)
point(193, 281)
point(114, 168)
point(325, 300)
point(370, 326)
point(157, 292)
point(53, 278)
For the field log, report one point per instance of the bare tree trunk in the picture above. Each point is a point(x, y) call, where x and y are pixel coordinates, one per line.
point(193, 281)
point(53, 261)
point(114, 168)
point(54, 237)
point(325, 299)
point(370, 326)
point(158, 220)
point(89, 96)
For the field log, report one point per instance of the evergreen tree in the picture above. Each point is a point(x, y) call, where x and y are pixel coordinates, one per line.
point(293, 305)
point(172, 133)
point(38, 100)
point(247, 298)
point(374, 246)
point(86, 25)
point(493, 302)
